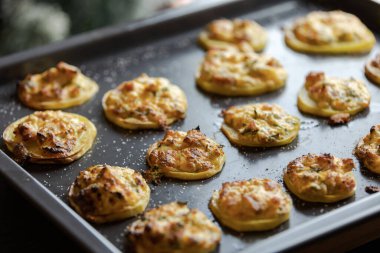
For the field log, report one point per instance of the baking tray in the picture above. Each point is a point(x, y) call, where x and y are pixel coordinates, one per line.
point(165, 45)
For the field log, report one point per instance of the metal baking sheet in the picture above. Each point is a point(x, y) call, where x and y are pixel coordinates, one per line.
point(166, 46)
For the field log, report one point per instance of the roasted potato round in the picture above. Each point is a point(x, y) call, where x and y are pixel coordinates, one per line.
point(333, 32)
point(327, 96)
point(368, 150)
point(241, 34)
point(372, 69)
point(185, 155)
point(104, 193)
point(145, 103)
point(259, 125)
point(174, 228)
point(59, 87)
point(50, 137)
point(233, 73)
point(320, 178)
point(251, 205)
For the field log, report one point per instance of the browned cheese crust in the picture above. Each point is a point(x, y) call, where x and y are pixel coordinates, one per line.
point(104, 193)
point(321, 178)
point(174, 228)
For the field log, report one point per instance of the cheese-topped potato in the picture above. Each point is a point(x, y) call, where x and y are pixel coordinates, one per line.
point(251, 205)
point(259, 125)
point(241, 34)
point(174, 228)
point(372, 69)
point(59, 87)
point(185, 155)
point(320, 178)
point(50, 137)
point(104, 193)
point(145, 103)
point(233, 73)
point(333, 32)
point(368, 150)
point(327, 96)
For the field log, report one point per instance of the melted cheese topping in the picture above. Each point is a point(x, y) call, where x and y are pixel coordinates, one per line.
point(184, 155)
point(49, 137)
point(145, 102)
point(174, 228)
point(372, 69)
point(57, 88)
point(245, 205)
point(259, 125)
point(329, 32)
point(244, 35)
point(229, 72)
point(105, 193)
point(331, 95)
point(368, 150)
point(320, 178)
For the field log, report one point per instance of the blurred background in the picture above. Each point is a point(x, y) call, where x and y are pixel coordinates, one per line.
point(29, 23)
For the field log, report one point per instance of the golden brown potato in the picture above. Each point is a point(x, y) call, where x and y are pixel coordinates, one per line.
point(185, 155)
point(232, 73)
point(368, 150)
point(104, 193)
point(259, 125)
point(333, 32)
point(241, 34)
point(320, 178)
point(50, 137)
point(174, 228)
point(251, 205)
point(145, 103)
point(59, 87)
point(327, 96)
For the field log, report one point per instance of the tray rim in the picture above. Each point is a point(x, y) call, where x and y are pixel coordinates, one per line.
point(82, 231)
